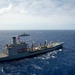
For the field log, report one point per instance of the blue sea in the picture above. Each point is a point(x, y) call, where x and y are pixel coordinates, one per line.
point(60, 62)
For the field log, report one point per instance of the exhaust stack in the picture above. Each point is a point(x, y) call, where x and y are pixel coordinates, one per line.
point(14, 40)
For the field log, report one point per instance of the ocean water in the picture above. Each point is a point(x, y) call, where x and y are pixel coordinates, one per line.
point(60, 62)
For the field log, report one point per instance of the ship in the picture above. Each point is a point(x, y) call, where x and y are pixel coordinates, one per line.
point(24, 34)
point(18, 50)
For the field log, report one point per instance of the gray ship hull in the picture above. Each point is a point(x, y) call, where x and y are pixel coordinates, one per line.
point(30, 54)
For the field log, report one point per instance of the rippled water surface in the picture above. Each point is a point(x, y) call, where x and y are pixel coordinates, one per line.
point(60, 62)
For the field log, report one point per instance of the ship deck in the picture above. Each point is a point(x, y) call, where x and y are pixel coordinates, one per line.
point(48, 46)
point(3, 55)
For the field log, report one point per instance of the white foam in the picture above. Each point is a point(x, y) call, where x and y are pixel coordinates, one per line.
point(60, 49)
point(37, 67)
